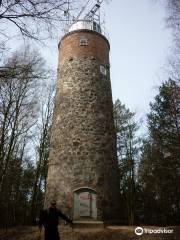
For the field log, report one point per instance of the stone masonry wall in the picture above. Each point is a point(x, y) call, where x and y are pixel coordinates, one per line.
point(83, 145)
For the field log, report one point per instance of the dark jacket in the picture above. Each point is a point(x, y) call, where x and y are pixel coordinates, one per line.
point(49, 218)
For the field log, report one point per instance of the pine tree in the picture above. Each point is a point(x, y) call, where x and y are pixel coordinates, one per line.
point(159, 170)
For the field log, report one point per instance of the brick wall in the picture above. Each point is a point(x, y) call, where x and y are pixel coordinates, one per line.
point(98, 46)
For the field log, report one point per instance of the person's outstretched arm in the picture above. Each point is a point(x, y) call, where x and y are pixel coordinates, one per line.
point(64, 217)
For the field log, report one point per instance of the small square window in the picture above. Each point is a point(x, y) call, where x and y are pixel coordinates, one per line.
point(83, 42)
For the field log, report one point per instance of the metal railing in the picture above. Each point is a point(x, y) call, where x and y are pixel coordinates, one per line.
point(86, 24)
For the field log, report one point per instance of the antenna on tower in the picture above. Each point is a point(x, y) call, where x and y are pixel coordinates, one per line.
point(90, 16)
point(85, 19)
point(82, 10)
point(67, 16)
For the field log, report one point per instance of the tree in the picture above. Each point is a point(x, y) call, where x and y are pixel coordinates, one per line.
point(127, 149)
point(173, 21)
point(160, 160)
point(43, 148)
point(35, 19)
point(19, 86)
point(17, 101)
point(174, 14)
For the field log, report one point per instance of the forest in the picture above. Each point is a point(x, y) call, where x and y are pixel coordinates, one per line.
point(149, 164)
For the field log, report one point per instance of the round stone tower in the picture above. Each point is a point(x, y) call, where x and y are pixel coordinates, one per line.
point(83, 171)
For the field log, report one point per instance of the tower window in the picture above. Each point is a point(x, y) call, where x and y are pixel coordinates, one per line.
point(83, 41)
point(103, 70)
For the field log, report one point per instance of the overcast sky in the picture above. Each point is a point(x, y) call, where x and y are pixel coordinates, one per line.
point(140, 44)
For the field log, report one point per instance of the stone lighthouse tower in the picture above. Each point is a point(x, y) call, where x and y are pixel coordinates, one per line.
point(83, 172)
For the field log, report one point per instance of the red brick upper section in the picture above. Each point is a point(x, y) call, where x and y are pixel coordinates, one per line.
point(98, 46)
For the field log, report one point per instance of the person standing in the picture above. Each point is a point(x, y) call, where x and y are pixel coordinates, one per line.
point(49, 218)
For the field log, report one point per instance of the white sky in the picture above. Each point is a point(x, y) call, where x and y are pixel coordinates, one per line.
point(140, 44)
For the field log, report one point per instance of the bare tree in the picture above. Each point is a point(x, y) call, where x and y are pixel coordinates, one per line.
point(173, 21)
point(18, 85)
point(22, 78)
point(35, 19)
point(42, 147)
point(174, 14)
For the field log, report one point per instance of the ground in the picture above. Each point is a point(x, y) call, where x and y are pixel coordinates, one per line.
point(109, 233)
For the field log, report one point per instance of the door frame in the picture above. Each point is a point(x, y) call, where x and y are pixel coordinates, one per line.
point(93, 202)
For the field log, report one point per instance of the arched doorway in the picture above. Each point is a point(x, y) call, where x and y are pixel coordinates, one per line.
point(85, 203)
